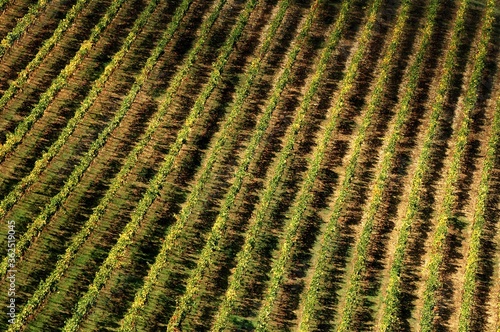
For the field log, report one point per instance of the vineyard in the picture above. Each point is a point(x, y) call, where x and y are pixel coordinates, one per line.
point(250, 165)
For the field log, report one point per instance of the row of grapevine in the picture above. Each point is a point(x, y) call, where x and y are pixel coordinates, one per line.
point(59, 82)
point(141, 296)
point(22, 25)
point(444, 217)
point(186, 302)
point(42, 53)
point(86, 160)
point(392, 298)
point(374, 102)
point(279, 267)
point(308, 315)
point(49, 209)
point(353, 297)
point(89, 156)
point(220, 224)
point(89, 100)
point(473, 258)
point(224, 311)
point(117, 182)
point(252, 165)
point(154, 187)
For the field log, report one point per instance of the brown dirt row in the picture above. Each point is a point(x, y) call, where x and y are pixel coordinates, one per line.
point(487, 300)
point(12, 11)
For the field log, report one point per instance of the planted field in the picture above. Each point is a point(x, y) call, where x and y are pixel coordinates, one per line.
point(249, 165)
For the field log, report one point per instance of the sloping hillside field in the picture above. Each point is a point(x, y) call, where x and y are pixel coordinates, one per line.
point(250, 165)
